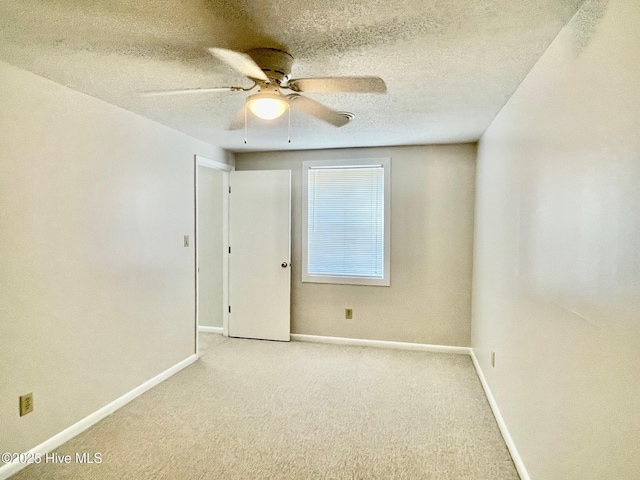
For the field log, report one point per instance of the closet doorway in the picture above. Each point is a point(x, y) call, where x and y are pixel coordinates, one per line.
point(211, 245)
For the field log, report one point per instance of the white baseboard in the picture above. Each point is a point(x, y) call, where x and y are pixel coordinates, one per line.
point(422, 347)
point(68, 433)
point(205, 329)
point(517, 460)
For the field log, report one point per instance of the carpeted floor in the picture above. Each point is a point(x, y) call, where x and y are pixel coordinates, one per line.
point(266, 410)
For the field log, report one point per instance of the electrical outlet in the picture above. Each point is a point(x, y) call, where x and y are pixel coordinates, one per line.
point(186, 240)
point(348, 313)
point(26, 403)
point(493, 359)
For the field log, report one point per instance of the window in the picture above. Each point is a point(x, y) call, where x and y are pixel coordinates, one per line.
point(346, 221)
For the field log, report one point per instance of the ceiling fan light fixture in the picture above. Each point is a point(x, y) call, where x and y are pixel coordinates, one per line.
point(267, 106)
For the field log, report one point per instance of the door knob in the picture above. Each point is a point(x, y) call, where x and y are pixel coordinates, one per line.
point(285, 264)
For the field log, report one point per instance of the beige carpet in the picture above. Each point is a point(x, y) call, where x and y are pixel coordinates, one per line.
point(266, 410)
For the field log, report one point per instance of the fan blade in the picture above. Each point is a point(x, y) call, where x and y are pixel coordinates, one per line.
point(317, 110)
point(160, 93)
point(338, 84)
point(240, 62)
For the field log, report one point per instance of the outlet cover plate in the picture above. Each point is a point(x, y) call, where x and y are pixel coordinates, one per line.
point(26, 403)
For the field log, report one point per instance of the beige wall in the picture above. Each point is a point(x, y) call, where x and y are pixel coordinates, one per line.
point(210, 247)
point(429, 299)
point(96, 288)
point(557, 252)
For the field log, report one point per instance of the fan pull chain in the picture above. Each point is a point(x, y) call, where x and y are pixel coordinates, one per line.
point(289, 131)
point(245, 123)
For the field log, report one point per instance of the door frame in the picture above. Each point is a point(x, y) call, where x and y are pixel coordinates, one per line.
point(226, 169)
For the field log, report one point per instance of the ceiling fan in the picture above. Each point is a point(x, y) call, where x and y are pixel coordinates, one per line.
point(270, 71)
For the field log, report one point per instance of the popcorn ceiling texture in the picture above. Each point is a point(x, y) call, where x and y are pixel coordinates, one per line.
point(585, 23)
point(449, 66)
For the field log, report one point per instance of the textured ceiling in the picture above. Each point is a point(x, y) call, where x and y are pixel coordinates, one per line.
point(449, 65)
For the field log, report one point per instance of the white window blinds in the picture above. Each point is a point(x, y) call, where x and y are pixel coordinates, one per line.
point(345, 228)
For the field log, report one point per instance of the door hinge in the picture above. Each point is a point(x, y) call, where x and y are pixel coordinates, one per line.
point(229, 308)
point(229, 189)
point(229, 249)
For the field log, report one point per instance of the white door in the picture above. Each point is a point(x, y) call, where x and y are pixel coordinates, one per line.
point(260, 258)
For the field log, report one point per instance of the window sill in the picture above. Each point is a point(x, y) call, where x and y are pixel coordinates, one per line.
point(371, 282)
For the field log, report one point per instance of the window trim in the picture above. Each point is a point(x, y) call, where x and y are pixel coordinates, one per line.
point(385, 281)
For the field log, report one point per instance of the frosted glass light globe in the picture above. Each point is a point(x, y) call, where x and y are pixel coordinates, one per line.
point(267, 106)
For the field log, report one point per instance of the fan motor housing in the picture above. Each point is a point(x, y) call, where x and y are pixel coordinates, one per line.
point(276, 64)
